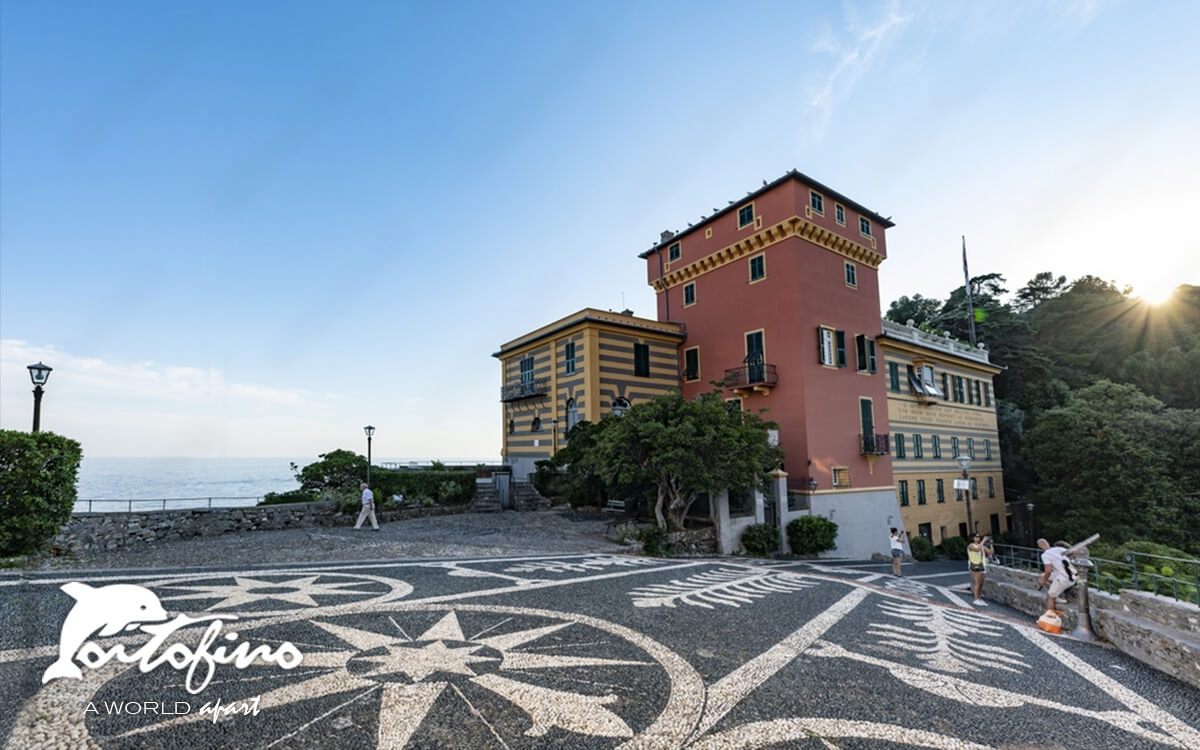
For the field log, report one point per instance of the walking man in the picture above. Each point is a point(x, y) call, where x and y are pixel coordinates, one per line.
point(1055, 573)
point(368, 507)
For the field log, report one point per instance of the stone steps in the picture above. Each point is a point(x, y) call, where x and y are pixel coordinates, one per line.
point(525, 497)
point(486, 500)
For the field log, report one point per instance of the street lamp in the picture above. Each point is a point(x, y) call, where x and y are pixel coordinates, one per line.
point(964, 463)
point(1032, 531)
point(39, 374)
point(813, 484)
point(370, 430)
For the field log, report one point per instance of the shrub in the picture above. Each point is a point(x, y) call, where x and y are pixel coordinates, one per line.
point(38, 472)
point(808, 535)
point(654, 541)
point(1167, 570)
point(953, 547)
point(291, 496)
point(922, 549)
point(760, 540)
point(1151, 548)
point(627, 534)
point(1149, 569)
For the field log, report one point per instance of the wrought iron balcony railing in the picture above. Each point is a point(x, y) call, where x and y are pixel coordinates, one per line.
point(873, 445)
point(760, 377)
point(525, 389)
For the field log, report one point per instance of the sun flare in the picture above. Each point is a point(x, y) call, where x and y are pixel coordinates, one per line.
point(1155, 294)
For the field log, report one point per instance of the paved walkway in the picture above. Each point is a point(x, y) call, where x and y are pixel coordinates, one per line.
point(566, 651)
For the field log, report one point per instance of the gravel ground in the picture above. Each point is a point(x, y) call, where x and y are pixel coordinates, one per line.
point(466, 535)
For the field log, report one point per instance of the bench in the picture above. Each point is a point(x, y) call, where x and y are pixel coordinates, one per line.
point(621, 511)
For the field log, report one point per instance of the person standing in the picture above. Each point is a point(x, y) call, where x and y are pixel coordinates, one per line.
point(978, 552)
point(368, 507)
point(897, 542)
point(1055, 573)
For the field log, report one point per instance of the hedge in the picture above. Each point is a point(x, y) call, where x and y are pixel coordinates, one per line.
point(808, 535)
point(760, 540)
point(38, 472)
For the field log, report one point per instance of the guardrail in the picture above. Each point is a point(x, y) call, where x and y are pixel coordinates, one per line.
point(1176, 577)
point(112, 505)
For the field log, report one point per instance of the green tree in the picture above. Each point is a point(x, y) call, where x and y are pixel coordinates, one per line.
point(1107, 461)
point(336, 470)
point(920, 310)
point(1040, 288)
point(38, 472)
point(685, 448)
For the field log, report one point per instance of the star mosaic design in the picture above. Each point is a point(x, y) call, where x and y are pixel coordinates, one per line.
point(246, 590)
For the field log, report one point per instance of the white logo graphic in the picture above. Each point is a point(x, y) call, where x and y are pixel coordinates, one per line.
point(111, 609)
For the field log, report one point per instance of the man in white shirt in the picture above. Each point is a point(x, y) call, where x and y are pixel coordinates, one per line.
point(1054, 572)
point(368, 507)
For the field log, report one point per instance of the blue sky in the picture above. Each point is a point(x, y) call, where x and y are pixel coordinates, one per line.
point(248, 229)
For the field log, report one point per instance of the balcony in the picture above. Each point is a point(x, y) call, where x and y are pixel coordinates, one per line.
point(752, 378)
point(525, 389)
point(873, 445)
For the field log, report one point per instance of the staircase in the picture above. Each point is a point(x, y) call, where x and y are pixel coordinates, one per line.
point(525, 497)
point(486, 500)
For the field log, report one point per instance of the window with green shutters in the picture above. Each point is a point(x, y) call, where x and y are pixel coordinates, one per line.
point(641, 360)
point(987, 448)
point(840, 337)
point(569, 357)
point(899, 445)
point(941, 491)
point(971, 447)
point(917, 450)
point(937, 446)
point(987, 394)
point(894, 376)
point(954, 447)
point(991, 487)
point(904, 492)
point(527, 369)
point(920, 492)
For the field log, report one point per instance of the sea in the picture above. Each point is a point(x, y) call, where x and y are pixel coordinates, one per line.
point(138, 484)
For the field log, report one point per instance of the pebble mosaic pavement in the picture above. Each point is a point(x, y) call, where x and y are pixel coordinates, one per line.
point(586, 651)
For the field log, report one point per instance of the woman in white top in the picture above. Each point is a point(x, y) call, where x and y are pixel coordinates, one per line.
point(897, 550)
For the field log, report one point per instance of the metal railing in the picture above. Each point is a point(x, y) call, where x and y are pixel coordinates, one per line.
point(751, 375)
point(1176, 577)
point(525, 389)
point(126, 505)
point(873, 445)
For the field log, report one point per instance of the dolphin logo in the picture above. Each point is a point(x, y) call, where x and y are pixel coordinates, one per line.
point(108, 609)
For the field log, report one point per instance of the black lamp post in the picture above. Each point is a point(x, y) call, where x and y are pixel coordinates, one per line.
point(965, 463)
point(1032, 531)
point(39, 374)
point(370, 430)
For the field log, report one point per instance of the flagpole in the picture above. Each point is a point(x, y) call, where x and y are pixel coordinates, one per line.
point(967, 280)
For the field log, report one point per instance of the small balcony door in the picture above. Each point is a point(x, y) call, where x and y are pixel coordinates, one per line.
point(868, 424)
point(754, 357)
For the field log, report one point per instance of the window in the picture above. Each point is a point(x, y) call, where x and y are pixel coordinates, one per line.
point(917, 451)
point(929, 381)
point(971, 447)
point(851, 274)
point(959, 395)
point(954, 447)
point(620, 406)
point(527, 369)
point(641, 360)
point(945, 386)
point(920, 492)
point(941, 491)
point(925, 530)
point(840, 343)
point(974, 489)
point(937, 446)
point(841, 476)
point(987, 448)
point(735, 404)
point(839, 213)
point(536, 425)
point(569, 357)
point(512, 426)
point(825, 340)
point(741, 502)
point(970, 392)
point(691, 364)
point(987, 394)
point(962, 529)
point(864, 227)
point(745, 215)
point(899, 441)
point(758, 267)
point(572, 413)
point(978, 397)
point(673, 252)
point(894, 376)
point(865, 348)
point(904, 493)
point(689, 294)
point(816, 201)
point(991, 487)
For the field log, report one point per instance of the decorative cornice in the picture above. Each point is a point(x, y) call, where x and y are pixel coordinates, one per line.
point(795, 226)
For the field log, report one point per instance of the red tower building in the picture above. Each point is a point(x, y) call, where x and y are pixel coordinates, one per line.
point(778, 295)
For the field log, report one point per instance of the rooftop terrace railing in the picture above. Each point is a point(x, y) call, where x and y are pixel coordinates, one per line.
point(1176, 577)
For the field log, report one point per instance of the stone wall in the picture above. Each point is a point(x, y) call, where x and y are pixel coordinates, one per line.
point(109, 531)
point(702, 542)
point(1156, 630)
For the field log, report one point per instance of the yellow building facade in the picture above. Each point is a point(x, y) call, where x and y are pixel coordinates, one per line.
point(941, 405)
point(580, 367)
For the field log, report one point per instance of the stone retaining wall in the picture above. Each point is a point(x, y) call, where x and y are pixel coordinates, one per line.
point(1156, 630)
point(109, 531)
point(701, 542)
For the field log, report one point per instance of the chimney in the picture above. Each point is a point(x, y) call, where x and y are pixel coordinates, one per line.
point(666, 235)
point(627, 312)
